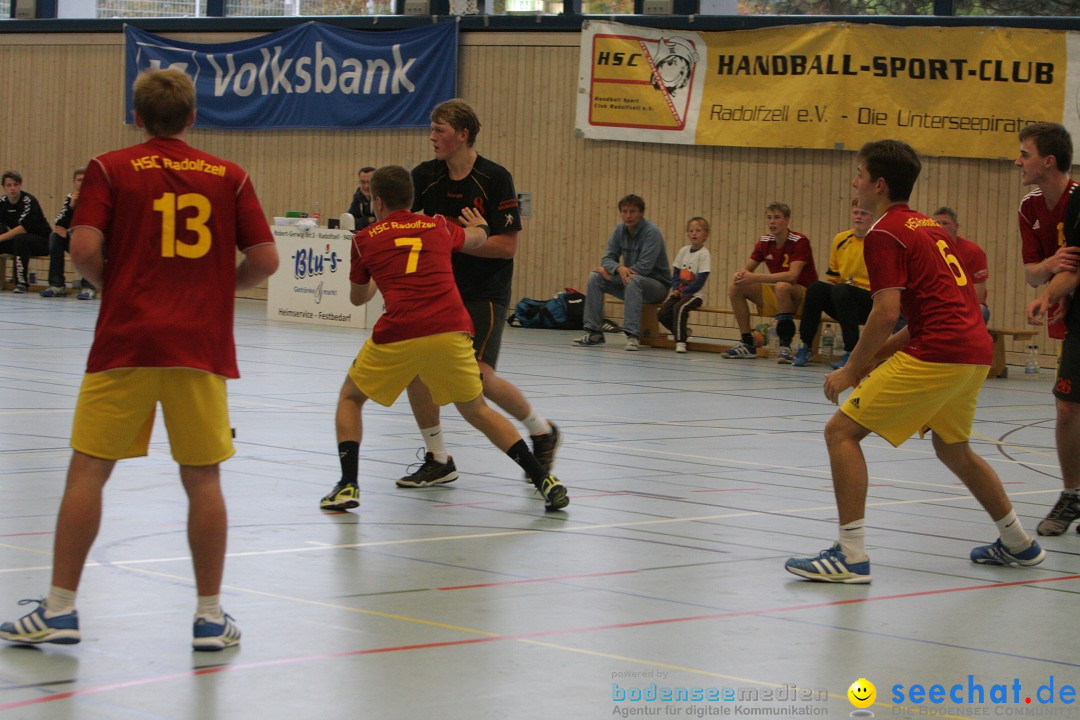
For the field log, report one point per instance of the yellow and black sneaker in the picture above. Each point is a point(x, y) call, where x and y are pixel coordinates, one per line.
point(344, 496)
point(554, 492)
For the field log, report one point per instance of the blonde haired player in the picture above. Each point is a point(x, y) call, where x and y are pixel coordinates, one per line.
point(172, 218)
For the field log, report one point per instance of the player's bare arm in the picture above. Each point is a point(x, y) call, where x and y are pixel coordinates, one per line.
point(477, 231)
point(1067, 257)
point(360, 294)
point(876, 333)
point(87, 253)
point(259, 263)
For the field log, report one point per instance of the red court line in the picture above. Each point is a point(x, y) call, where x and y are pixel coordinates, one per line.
point(725, 490)
point(223, 668)
point(43, 532)
point(520, 636)
point(485, 502)
point(536, 580)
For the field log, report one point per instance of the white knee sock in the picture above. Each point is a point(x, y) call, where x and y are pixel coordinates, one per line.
point(433, 441)
point(535, 424)
point(853, 541)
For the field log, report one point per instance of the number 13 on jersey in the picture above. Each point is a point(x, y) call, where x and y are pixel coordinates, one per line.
point(168, 205)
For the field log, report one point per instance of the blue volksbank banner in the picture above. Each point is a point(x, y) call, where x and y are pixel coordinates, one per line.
point(309, 76)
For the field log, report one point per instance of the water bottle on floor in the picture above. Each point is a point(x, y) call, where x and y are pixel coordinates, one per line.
point(1031, 365)
point(828, 342)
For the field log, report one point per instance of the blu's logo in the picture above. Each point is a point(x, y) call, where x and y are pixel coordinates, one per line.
point(309, 262)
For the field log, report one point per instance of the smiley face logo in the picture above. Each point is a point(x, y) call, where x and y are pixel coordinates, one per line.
point(862, 693)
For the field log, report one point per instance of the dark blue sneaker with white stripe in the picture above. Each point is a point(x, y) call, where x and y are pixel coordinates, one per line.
point(34, 627)
point(213, 636)
point(830, 566)
point(998, 554)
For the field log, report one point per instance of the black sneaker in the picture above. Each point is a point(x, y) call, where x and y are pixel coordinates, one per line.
point(431, 472)
point(545, 446)
point(554, 492)
point(1057, 521)
point(344, 496)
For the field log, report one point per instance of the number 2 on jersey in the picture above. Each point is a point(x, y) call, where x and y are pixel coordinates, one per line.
point(952, 262)
point(168, 205)
point(415, 246)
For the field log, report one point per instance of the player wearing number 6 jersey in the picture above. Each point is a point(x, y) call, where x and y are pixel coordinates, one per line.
point(931, 380)
point(424, 334)
point(171, 219)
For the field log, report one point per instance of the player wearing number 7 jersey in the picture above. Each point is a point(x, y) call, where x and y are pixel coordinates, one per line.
point(425, 332)
point(170, 219)
point(931, 380)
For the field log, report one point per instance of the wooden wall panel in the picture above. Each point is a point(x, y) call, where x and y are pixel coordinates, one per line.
point(524, 87)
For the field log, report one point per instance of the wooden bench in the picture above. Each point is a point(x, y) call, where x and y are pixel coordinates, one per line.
point(653, 335)
point(37, 262)
point(998, 368)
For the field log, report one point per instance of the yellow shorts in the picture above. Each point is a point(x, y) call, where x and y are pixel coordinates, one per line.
point(445, 362)
point(904, 395)
point(768, 300)
point(115, 414)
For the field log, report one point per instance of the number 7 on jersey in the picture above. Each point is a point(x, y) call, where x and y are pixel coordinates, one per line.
point(415, 246)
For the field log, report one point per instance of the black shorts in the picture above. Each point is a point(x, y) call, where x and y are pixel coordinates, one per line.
point(1067, 386)
point(488, 320)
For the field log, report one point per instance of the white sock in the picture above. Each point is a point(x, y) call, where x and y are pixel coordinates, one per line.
point(853, 541)
point(1012, 533)
point(535, 424)
point(209, 607)
point(59, 602)
point(433, 441)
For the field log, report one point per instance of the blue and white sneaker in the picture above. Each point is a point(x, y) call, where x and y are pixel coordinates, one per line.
point(830, 566)
point(783, 356)
point(213, 636)
point(802, 357)
point(34, 627)
point(740, 351)
point(841, 362)
point(998, 554)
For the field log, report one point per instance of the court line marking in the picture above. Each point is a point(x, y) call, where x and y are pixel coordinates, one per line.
point(510, 533)
point(526, 638)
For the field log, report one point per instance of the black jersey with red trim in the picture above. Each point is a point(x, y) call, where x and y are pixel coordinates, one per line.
point(488, 189)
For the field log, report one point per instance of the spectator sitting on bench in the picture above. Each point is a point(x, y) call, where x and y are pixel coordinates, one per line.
point(972, 257)
point(59, 242)
point(688, 276)
point(25, 231)
point(779, 292)
point(635, 269)
point(846, 296)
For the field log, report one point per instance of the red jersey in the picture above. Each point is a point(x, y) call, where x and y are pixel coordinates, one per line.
point(173, 218)
point(778, 258)
point(1041, 231)
point(908, 251)
point(973, 259)
point(408, 256)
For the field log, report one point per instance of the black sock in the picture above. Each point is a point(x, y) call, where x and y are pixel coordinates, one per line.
point(748, 339)
point(785, 329)
point(520, 453)
point(349, 454)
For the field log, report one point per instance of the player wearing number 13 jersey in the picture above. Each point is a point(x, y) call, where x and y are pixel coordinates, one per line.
point(931, 380)
point(173, 218)
point(157, 227)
